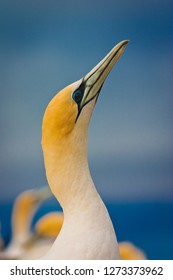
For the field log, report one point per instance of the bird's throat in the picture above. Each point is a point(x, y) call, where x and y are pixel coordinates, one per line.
point(68, 173)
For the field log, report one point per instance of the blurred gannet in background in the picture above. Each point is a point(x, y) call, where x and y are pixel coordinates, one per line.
point(24, 209)
point(45, 232)
point(87, 231)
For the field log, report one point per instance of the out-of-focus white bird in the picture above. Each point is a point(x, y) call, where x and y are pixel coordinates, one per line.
point(87, 231)
point(24, 209)
point(46, 230)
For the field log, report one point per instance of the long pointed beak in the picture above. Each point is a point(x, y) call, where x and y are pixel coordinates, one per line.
point(94, 80)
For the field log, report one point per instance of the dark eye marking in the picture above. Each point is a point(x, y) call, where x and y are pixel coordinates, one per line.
point(77, 96)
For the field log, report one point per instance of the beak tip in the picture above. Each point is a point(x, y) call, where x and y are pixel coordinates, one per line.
point(96, 77)
point(124, 42)
point(121, 46)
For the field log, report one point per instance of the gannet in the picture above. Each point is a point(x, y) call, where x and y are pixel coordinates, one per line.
point(87, 231)
point(23, 211)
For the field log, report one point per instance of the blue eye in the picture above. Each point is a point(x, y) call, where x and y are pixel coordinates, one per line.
point(77, 96)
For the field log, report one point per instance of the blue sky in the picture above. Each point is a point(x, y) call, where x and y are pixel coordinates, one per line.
point(46, 45)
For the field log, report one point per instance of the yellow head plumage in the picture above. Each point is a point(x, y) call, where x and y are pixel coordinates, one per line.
point(59, 118)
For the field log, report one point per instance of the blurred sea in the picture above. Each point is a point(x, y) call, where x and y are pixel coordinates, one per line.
point(148, 225)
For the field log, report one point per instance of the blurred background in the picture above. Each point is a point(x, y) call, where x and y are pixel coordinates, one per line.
point(46, 45)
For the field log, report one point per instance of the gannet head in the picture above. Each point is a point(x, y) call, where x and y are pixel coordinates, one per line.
point(66, 120)
point(128, 251)
point(30, 199)
point(72, 107)
point(49, 225)
point(24, 208)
